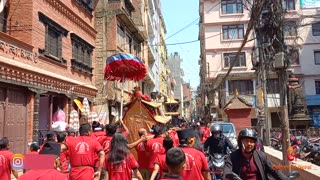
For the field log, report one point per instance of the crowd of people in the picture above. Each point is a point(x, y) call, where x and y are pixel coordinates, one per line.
point(162, 152)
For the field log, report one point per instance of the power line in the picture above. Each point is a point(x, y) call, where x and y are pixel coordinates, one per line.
point(191, 22)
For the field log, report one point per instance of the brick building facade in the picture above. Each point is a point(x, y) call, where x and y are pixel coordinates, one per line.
point(47, 59)
point(121, 28)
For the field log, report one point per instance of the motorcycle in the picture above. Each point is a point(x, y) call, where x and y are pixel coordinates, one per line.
point(311, 152)
point(233, 176)
point(216, 164)
point(276, 141)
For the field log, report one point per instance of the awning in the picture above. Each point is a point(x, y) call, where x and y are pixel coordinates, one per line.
point(312, 100)
point(171, 101)
point(162, 119)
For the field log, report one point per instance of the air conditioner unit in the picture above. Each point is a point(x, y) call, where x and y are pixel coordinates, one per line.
point(279, 60)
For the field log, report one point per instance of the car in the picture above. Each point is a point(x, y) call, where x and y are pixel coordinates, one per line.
point(228, 130)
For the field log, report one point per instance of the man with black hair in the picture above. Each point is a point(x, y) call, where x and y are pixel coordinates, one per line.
point(71, 132)
point(50, 137)
point(97, 130)
point(5, 159)
point(34, 147)
point(175, 160)
point(44, 174)
point(155, 146)
point(196, 166)
point(82, 151)
point(159, 163)
point(64, 159)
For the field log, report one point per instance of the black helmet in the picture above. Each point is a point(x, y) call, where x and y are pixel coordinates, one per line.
point(247, 133)
point(215, 128)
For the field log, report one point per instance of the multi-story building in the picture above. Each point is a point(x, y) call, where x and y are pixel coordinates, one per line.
point(154, 30)
point(121, 27)
point(163, 75)
point(187, 101)
point(46, 61)
point(223, 25)
point(222, 28)
point(174, 64)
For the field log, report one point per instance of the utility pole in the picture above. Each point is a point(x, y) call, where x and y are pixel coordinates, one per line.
point(270, 39)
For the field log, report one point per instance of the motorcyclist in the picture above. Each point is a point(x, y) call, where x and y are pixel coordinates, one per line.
point(249, 163)
point(217, 143)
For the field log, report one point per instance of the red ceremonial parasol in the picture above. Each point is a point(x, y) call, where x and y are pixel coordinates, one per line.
point(122, 67)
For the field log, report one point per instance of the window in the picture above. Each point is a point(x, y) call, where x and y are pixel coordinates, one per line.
point(273, 86)
point(120, 36)
point(52, 42)
point(290, 28)
point(317, 57)
point(317, 84)
point(53, 39)
point(316, 29)
point(3, 19)
point(231, 6)
point(288, 4)
point(230, 57)
point(233, 31)
point(243, 86)
point(128, 43)
point(81, 54)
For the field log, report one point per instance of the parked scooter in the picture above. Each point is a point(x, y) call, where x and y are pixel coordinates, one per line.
point(276, 141)
point(311, 152)
point(216, 164)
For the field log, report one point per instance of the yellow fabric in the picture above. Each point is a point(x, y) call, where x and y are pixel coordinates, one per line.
point(162, 119)
point(172, 113)
point(153, 104)
point(171, 101)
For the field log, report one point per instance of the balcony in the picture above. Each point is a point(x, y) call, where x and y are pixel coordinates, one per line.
point(151, 54)
point(150, 78)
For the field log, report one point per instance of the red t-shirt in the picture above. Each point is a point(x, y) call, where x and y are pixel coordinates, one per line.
point(205, 133)
point(122, 170)
point(64, 161)
point(155, 147)
point(196, 163)
point(43, 174)
point(98, 134)
point(249, 170)
point(175, 138)
point(161, 161)
point(143, 159)
point(107, 144)
point(5, 166)
point(82, 150)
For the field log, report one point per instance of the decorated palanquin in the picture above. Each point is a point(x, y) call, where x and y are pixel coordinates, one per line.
point(141, 112)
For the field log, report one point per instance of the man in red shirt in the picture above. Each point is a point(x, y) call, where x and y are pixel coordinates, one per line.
point(143, 155)
point(160, 165)
point(5, 160)
point(97, 130)
point(64, 161)
point(82, 151)
point(34, 148)
point(205, 132)
point(175, 160)
point(196, 166)
point(155, 146)
point(44, 174)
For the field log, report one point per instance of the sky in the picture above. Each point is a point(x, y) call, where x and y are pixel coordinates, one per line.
point(177, 15)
